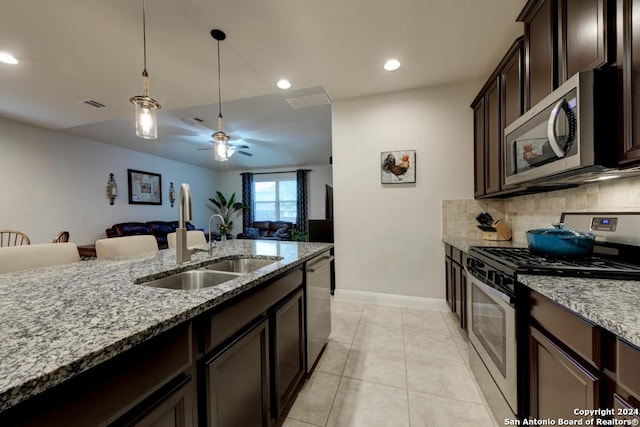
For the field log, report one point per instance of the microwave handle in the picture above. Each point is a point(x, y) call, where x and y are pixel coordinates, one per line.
point(551, 129)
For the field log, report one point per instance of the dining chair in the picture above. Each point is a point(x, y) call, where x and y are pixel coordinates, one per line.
point(13, 238)
point(15, 258)
point(194, 238)
point(120, 247)
point(62, 237)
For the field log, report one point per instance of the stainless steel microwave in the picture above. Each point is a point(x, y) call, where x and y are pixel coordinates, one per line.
point(567, 137)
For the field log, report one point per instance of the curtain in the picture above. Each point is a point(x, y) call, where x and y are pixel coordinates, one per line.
point(303, 204)
point(247, 199)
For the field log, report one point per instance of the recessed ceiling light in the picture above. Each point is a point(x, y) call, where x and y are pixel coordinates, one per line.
point(8, 58)
point(392, 64)
point(284, 84)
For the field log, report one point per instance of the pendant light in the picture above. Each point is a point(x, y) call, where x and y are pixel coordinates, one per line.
point(220, 146)
point(145, 107)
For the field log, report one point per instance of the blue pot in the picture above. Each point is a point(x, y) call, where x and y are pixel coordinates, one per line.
point(560, 242)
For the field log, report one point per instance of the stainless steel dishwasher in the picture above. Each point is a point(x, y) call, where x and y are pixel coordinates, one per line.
point(318, 306)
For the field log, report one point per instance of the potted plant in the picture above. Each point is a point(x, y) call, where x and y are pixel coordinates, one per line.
point(227, 208)
point(299, 236)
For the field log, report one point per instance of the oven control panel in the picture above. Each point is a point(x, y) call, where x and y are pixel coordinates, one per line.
point(604, 224)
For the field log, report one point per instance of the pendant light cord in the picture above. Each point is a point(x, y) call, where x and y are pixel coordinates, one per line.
point(219, 91)
point(144, 36)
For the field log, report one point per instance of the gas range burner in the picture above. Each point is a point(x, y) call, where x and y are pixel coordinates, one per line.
point(522, 261)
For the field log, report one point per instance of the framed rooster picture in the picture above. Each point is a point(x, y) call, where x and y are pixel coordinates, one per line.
point(398, 167)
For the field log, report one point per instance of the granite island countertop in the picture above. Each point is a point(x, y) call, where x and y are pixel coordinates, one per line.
point(611, 304)
point(56, 322)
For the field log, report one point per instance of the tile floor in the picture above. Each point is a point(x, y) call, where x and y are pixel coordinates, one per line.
point(391, 366)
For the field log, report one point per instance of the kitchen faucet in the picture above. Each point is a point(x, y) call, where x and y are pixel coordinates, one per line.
point(183, 253)
point(212, 241)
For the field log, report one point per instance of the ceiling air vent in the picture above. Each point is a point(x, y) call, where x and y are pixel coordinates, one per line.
point(309, 101)
point(93, 103)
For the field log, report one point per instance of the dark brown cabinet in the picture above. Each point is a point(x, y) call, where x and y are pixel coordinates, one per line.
point(584, 26)
point(449, 283)
point(288, 351)
point(573, 363)
point(456, 283)
point(174, 410)
point(478, 147)
point(237, 381)
point(459, 291)
point(511, 81)
point(625, 410)
point(558, 382)
point(497, 105)
point(628, 44)
point(561, 38)
point(493, 139)
point(539, 36)
point(252, 374)
point(626, 399)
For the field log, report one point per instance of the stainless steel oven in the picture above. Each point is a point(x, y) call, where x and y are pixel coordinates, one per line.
point(492, 334)
point(498, 314)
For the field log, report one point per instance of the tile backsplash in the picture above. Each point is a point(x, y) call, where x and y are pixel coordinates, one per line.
point(523, 213)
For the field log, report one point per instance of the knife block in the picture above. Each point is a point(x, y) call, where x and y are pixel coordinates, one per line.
point(502, 232)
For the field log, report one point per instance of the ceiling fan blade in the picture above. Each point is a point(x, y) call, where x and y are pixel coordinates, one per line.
point(239, 146)
point(244, 153)
point(206, 148)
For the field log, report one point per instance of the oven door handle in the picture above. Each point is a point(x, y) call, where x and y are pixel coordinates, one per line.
point(492, 291)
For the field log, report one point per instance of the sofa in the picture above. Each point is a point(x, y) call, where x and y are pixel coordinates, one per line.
point(159, 229)
point(268, 230)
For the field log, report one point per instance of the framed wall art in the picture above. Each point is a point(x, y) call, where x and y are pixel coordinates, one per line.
point(398, 167)
point(145, 188)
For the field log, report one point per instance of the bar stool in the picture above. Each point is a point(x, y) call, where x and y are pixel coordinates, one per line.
point(120, 247)
point(194, 238)
point(14, 258)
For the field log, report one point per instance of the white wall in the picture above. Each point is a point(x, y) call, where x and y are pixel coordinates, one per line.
point(388, 237)
point(52, 182)
point(320, 175)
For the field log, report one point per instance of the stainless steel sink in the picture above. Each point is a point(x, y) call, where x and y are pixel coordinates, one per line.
point(240, 265)
point(192, 279)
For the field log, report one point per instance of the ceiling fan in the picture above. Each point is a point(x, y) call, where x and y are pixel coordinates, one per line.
point(234, 148)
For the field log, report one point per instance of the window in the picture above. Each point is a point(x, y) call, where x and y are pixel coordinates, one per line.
point(275, 200)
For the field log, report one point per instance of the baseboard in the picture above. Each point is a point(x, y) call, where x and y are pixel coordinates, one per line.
point(391, 299)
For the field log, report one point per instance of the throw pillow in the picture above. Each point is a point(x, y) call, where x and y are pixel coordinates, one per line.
point(252, 233)
point(280, 231)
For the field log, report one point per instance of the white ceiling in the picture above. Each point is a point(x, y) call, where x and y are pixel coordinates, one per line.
point(71, 51)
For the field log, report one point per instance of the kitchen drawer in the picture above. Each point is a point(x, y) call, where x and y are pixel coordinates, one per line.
point(578, 334)
point(229, 321)
point(629, 367)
